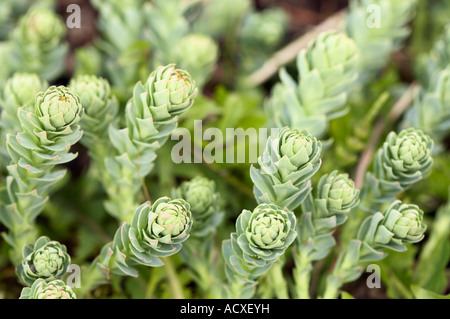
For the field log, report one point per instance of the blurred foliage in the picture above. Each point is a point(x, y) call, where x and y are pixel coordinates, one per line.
point(219, 42)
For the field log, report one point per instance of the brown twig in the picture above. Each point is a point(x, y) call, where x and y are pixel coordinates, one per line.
point(289, 52)
point(397, 110)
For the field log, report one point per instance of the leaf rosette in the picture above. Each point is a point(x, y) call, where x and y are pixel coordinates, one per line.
point(55, 289)
point(45, 259)
point(286, 166)
point(261, 237)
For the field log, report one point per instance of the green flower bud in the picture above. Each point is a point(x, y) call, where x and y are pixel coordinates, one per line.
point(58, 109)
point(42, 26)
point(55, 289)
point(338, 193)
point(330, 52)
point(261, 237)
point(170, 92)
point(201, 195)
point(156, 231)
point(264, 29)
point(400, 224)
point(327, 69)
point(21, 89)
point(288, 162)
point(197, 53)
point(100, 107)
point(405, 157)
point(47, 260)
point(405, 221)
point(152, 112)
point(165, 223)
point(268, 228)
point(37, 44)
point(91, 89)
point(298, 147)
point(431, 109)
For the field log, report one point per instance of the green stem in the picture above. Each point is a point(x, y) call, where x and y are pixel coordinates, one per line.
point(236, 288)
point(27, 235)
point(398, 284)
point(332, 288)
point(174, 282)
point(156, 274)
point(91, 278)
point(302, 281)
point(302, 275)
point(277, 281)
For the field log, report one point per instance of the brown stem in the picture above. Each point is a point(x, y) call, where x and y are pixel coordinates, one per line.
point(289, 52)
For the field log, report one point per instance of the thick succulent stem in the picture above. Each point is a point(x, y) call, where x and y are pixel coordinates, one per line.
point(91, 278)
point(151, 116)
point(48, 131)
point(176, 288)
point(277, 281)
point(302, 275)
point(332, 288)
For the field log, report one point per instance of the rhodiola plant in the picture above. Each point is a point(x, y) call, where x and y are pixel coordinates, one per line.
point(305, 163)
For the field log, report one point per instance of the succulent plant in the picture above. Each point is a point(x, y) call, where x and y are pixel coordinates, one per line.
point(261, 237)
point(58, 109)
point(37, 44)
point(19, 92)
point(288, 162)
point(437, 59)
point(197, 53)
point(203, 199)
point(380, 33)
point(198, 251)
point(151, 116)
point(41, 289)
point(45, 259)
point(156, 231)
point(219, 17)
point(336, 193)
point(327, 69)
point(264, 29)
point(398, 225)
point(44, 141)
point(101, 109)
point(404, 159)
point(261, 33)
point(335, 197)
point(431, 108)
